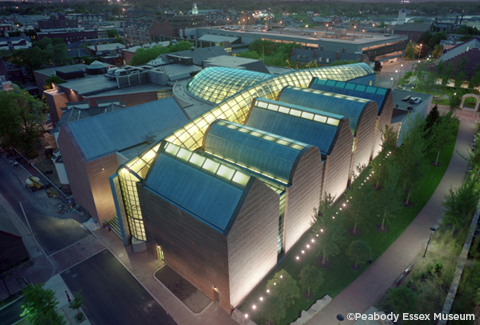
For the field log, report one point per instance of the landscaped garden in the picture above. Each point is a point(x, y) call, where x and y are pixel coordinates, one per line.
point(410, 171)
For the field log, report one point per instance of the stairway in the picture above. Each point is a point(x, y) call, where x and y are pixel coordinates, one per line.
point(115, 226)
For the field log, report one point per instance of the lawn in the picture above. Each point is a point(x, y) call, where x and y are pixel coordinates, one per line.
point(340, 275)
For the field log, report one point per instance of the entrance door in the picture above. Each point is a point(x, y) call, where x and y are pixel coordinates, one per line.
point(160, 253)
point(217, 296)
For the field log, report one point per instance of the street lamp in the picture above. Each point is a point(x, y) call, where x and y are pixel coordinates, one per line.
point(429, 239)
point(340, 318)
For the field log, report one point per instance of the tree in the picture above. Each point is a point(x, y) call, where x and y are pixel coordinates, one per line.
point(143, 55)
point(401, 299)
point(410, 51)
point(331, 236)
point(443, 133)
point(412, 152)
point(112, 33)
point(285, 287)
point(460, 74)
point(310, 278)
point(381, 24)
point(52, 79)
point(249, 55)
point(437, 51)
point(39, 306)
point(21, 119)
point(273, 309)
point(59, 54)
point(425, 38)
point(359, 206)
point(359, 252)
point(460, 205)
point(455, 101)
point(389, 200)
point(378, 66)
point(436, 38)
point(475, 80)
point(432, 117)
point(76, 304)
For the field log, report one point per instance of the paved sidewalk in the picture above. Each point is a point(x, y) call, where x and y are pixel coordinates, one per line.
point(143, 266)
point(360, 295)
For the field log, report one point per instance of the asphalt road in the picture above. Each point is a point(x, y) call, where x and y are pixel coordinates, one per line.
point(11, 313)
point(51, 233)
point(111, 294)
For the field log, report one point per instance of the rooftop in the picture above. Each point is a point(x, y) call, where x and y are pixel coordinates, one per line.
point(66, 68)
point(111, 132)
point(401, 111)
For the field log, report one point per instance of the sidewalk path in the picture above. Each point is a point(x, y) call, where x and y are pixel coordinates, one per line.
point(360, 295)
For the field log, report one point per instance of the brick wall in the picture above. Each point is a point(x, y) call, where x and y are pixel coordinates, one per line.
point(163, 28)
point(252, 241)
point(129, 99)
point(191, 248)
point(338, 163)
point(302, 197)
point(76, 171)
point(55, 101)
point(98, 171)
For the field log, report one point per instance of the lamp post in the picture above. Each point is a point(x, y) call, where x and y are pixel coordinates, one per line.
point(340, 318)
point(429, 239)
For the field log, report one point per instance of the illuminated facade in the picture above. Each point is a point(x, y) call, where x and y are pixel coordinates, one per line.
point(237, 184)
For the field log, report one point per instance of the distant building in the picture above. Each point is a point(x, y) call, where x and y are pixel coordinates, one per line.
point(447, 26)
point(412, 30)
point(132, 15)
point(57, 23)
point(402, 17)
point(12, 72)
point(141, 33)
point(323, 58)
point(68, 35)
point(470, 51)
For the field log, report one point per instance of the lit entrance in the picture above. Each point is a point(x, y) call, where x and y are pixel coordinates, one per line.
point(160, 253)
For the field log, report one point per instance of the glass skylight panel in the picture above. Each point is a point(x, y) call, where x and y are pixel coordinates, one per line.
point(284, 110)
point(320, 118)
point(240, 178)
point(198, 160)
point(307, 115)
point(225, 172)
point(333, 121)
point(261, 104)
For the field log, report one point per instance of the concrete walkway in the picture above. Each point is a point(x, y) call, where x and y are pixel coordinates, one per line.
point(360, 295)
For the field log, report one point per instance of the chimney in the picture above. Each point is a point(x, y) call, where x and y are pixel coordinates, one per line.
point(343, 50)
point(337, 56)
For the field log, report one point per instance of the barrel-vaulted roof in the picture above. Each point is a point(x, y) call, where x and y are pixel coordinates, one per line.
point(307, 125)
point(377, 94)
point(217, 83)
point(348, 106)
point(208, 190)
point(273, 156)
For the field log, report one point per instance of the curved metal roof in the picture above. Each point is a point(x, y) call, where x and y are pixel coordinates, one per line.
point(308, 130)
point(268, 154)
point(217, 83)
point(348, 106)
point(377, 94)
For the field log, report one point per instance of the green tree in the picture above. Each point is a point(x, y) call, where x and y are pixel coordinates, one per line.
point(412, 152)
point(45, 42)
point(249, 55)
point(285, 287)
point(475, 80)
point(432, 117)
point(460, 74)
point(425, 38)
point(21, 119)
point(436, 38)
point(359, 252)
point(381, 24)
point(401, 299)
point(331, 236)
point(410, 51)
point(52, 79)
point(360, 203)
point(389, 200)
point(310, 279)
point(76, 304)
point(443, 133)
point(460, 205)
point(59, 54)
point(33, 58)
point(112, 33)
point(437, 51)
point(273, 309)
point(39, 306)
point(454, 101)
